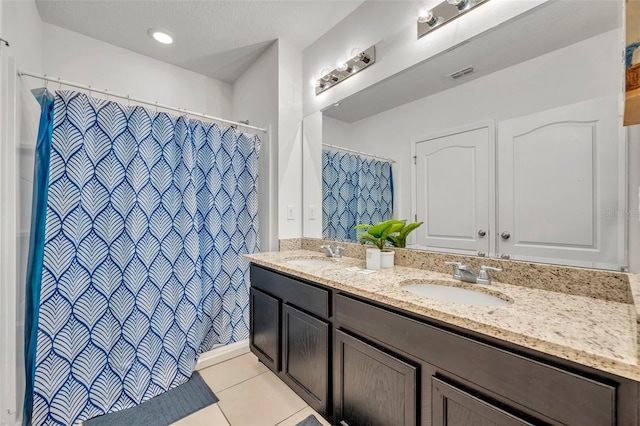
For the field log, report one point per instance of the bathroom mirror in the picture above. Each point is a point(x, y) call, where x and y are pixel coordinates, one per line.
point(521, 157)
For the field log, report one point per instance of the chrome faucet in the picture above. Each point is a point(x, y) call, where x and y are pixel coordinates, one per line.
point(465, 273)
point(337, 253)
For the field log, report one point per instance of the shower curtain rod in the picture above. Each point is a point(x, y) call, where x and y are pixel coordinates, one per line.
point(140, 101)
point(359, 152)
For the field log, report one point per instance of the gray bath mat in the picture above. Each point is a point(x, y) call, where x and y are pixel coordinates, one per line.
point(310, 421)
point(165, 408)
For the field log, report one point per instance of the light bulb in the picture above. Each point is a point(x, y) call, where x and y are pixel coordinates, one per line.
point(355, 51)
point(427, 17)
point(160, 35)
point(342, 65)
point(460, 4)
point(325, 74)
point(354, 69)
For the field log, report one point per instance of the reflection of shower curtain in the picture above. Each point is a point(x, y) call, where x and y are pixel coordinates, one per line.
point(147, 217)
point(354, 190)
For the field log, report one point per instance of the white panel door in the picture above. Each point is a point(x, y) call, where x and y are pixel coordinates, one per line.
point(558, 184)
point(452, 192)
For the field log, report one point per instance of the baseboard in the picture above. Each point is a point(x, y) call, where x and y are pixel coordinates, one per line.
point(221, 354)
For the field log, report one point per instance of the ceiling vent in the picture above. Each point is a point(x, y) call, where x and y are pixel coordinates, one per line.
point(461, 73)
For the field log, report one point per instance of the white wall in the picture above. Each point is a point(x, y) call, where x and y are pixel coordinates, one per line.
point(289, 140)
point(391, 26)
point(336, 132)
point(72, 56)
point(312, 137)
point(255, 98)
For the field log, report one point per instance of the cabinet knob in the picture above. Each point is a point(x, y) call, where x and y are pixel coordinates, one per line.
point(505, 256)
point(482, 232)
point(482, 254)
point(505, 235)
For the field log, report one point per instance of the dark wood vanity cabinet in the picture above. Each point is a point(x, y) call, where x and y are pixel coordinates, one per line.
point(359, 362)
point(291, 333)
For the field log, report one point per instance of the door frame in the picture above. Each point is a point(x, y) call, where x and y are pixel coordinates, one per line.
point(490, 125)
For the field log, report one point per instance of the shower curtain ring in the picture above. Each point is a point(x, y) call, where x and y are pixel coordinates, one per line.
point(107, 93)
point(89, 90)
point(46, 82)
point(59, 84)
point(156, 107)
point(129, 101)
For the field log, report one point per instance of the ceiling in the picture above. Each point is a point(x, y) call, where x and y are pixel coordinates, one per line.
point(549, 27)
point(218, 38)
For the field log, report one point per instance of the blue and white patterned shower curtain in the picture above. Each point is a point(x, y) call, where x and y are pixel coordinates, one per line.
point(355, 190)
point(147, 218)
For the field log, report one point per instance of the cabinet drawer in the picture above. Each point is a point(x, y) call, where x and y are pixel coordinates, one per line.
point(558, 394)
point(305, 296)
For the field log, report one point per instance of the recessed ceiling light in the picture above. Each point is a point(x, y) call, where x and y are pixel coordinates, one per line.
point(160, 35)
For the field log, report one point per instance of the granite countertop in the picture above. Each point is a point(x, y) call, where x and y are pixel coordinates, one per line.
point(590, 331)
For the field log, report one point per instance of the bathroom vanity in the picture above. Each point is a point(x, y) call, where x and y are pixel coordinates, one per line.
point(361, 350)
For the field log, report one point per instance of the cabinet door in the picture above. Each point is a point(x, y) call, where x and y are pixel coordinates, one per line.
point(454, 407)
point(372, 386)
point(306, 356)
point(558, 192)
point(452, 192)
point(265, 328)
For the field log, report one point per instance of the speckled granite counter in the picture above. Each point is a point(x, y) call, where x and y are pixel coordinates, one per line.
point(594, 332)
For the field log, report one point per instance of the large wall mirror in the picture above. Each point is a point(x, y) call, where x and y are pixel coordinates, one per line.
point(521, 158)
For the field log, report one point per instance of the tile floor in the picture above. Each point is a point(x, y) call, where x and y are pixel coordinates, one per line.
point(250, 395)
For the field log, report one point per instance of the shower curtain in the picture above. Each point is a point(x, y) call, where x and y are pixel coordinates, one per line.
point(355, 190)
point(143, 220)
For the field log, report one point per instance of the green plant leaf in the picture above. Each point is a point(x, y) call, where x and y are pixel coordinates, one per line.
point(409, 228)
point(394, 240)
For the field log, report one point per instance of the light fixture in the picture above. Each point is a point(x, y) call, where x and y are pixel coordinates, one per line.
point(359, 60)
point(160, 35)
point(444, 13)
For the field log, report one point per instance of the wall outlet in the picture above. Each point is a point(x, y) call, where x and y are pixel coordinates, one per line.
point(312, 212)
point(291, 214)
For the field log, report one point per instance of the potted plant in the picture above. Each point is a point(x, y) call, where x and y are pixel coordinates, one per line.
point(377, 235)
point(399, 239)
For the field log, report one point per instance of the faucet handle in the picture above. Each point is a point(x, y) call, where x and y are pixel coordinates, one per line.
point(483, 275)
point(326, 248)
point(456, 269)
point(338, 252)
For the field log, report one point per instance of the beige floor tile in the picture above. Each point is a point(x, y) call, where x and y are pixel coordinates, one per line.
point(229, 373)
point(261, 401)
point(209, 416)
point(301, 415)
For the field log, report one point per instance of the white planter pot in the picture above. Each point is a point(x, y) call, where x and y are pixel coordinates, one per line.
point(373, 258)
point(387, 258)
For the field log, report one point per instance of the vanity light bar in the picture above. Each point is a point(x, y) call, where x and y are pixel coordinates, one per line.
point(444, 13)
point(349, 68)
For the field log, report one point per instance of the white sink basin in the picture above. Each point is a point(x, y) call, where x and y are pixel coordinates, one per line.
point(310, 262)
point(455, 294)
